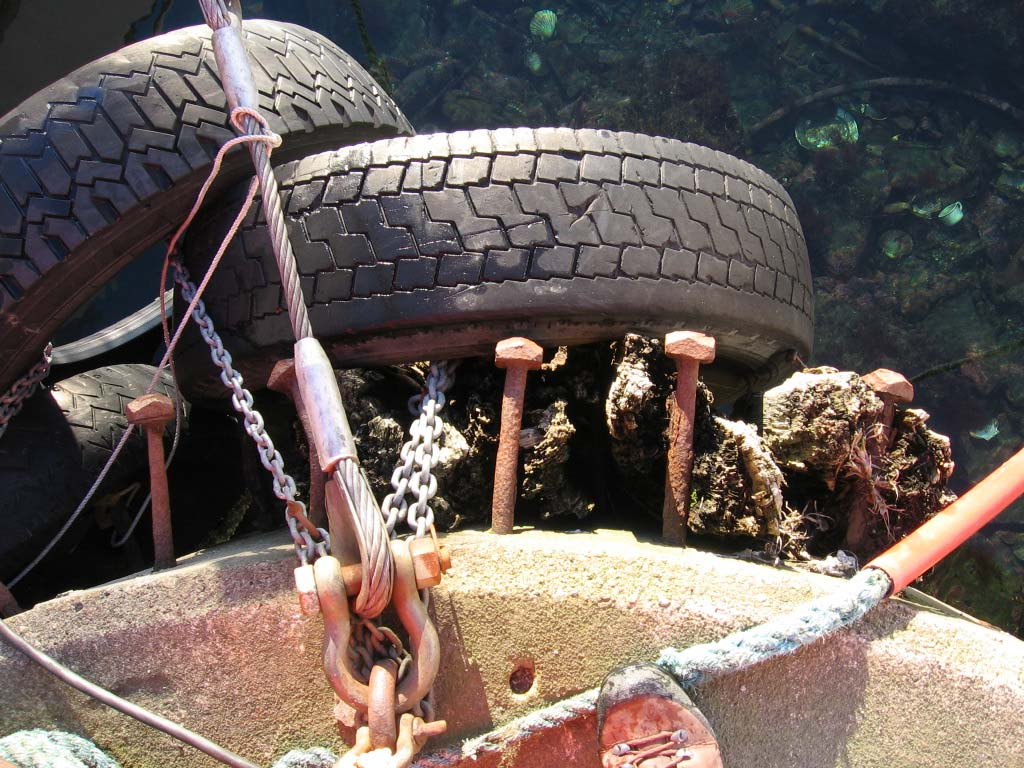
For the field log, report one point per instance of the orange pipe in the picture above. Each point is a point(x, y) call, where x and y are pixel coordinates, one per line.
point(906, 560)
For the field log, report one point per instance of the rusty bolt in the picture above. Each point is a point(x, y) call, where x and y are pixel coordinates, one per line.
point(153, 412)
point(422, 731)
point(517, 356)
point(428, 565)
point(689, 349)
point(283, 379)
point(892, 388)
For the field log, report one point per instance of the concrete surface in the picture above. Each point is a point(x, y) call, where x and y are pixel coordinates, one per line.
point(219, 644)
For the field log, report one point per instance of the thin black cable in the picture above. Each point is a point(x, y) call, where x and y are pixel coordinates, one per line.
point(104, 696)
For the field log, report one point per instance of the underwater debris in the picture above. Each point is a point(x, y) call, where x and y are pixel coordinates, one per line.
point(986, 433)
point(895, 243)
point(1011, 183)
point(816, 134)
point(737, 11)
point(885, 82)
point(866, 110)
point(928, 206)
point(533, 62)
point(1007, 145)
point(952, 214)
point(543, 24)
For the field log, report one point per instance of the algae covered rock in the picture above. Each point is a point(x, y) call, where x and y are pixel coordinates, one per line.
point(813, 419)
point(546, 479)
point(738, 488)
point(635, 409)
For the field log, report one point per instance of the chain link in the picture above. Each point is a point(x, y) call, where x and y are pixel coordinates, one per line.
point(12, 400)
point(414, 474)
point(306, 547)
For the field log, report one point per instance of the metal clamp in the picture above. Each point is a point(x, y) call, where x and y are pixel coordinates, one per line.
point(425, 646)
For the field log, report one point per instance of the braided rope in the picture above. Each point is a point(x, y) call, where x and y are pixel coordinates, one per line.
point(219, 18)
point(781, 635)
point(216, 13)
point(52, 749)
point(697, 664)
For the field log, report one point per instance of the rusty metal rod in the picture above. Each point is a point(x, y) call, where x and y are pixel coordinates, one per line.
point(689, 349)
point(283, 379)
point(153, 412)
point(518, 356)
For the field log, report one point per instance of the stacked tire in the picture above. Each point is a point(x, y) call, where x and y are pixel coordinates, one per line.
point(408, 247)
point(95, 169)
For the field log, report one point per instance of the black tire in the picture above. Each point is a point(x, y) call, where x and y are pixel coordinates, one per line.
point(108, 160)
point(437, 246)
point(55, 447)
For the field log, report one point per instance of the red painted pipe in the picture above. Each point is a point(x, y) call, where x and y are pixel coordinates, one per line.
point(908, 559)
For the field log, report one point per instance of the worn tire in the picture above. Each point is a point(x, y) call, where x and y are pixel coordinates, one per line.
point(437, 246)
point(108, 160)
point(55, 447)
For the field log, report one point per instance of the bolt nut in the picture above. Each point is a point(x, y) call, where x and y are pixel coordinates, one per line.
point(153, 410)
point(890, 385)
point(690, 345)
point(427, 562)
point(305, 585)
point(518, 352)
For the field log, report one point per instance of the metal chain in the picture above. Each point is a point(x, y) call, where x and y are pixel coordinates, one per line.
point(306, 547)
point(413, 477)
point(414, 474)
point(12, 400)
point(370, 643)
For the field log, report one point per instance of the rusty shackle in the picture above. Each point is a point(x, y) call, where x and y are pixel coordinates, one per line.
point(425, 646)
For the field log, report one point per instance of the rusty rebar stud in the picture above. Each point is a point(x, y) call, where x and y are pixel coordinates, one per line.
point(153, 413)
point(517, 356)
point(283, 379)
point(893, 388)
point(689, 349)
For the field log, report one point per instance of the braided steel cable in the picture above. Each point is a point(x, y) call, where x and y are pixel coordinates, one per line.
point(236, 78)
point(290, 284)
point(371, 536)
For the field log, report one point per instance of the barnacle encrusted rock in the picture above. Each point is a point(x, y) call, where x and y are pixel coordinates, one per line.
point(635, 409)
point(738, 488)
point(813, 419)
point(884, 498)
point(546, 480)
